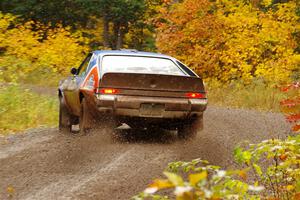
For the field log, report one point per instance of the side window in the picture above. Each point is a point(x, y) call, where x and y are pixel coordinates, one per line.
point(83, 67)
point(92, 62)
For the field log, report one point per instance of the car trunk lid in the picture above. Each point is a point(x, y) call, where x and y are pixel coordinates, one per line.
point(152, 82)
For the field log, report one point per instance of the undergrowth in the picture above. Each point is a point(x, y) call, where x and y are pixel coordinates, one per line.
point(256, 95)
point(21, 109)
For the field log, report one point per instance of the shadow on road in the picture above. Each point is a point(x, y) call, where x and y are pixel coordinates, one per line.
point(126, 135)
point(151, 136)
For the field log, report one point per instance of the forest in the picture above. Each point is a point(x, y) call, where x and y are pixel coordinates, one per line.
point(246, 51)
point(223, 41)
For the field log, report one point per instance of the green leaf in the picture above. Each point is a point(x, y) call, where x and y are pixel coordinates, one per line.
point(238, 154)
point(298, 186)
point(257, 169)
point(246, 156)
point(174, 178)
point(242, 156)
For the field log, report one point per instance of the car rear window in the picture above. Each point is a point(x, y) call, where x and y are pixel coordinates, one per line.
point(139, 64)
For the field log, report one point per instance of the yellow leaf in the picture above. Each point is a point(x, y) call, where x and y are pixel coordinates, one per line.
point(161, 184)
point(186, 196)
point(289, 187)
point(195, 178)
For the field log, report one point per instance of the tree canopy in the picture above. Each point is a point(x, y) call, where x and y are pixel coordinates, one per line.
point(221, 40)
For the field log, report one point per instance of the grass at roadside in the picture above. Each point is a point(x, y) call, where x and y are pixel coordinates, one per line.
point(254, 96)
point(21, 109)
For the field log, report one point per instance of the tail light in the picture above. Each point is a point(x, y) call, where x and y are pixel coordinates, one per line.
point(107, 91)
point(194, 95)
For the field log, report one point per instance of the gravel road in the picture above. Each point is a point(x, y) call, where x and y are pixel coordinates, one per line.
point(44, 164)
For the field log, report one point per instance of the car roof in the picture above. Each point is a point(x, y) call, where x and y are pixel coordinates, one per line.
point(129, 52)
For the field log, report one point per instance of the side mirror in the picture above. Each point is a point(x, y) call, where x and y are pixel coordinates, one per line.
point(74, 71)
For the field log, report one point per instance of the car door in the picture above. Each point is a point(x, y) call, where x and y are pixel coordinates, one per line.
point(73, 85)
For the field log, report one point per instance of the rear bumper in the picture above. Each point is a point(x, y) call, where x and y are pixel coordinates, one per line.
point(130, 106)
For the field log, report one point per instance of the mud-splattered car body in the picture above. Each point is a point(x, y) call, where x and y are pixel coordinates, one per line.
point(137, 88)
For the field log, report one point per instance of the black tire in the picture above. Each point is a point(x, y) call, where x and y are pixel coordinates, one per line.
point(64, 122)
point(86, 120)
point(190, 128)
point(135, 125)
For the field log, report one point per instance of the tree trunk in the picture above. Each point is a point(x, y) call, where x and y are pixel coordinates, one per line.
point(116, 35)
point(120, 38)
point(106, 32)
point(141, 41)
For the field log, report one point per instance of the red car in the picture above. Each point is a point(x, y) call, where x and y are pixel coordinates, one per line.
point(137, 88)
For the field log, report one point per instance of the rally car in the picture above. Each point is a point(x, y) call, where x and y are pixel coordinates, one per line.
point(140, 89)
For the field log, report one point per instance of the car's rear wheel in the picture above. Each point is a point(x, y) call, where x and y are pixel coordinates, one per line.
point(135, 125)
point(85, 118)
point(190, 128)
point(65, 119)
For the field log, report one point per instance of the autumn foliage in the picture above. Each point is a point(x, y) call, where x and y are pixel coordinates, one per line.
point(233, 40)
point(291, 105)
point(28, 54)
point(221, 40)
